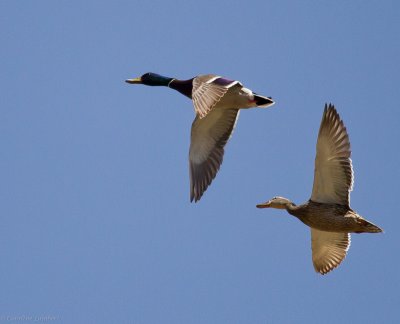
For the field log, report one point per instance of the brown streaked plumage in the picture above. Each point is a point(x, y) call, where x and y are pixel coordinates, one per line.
point(328, 211)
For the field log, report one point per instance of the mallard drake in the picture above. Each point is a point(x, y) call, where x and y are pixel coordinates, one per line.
point(216, 103)
point(328, 211)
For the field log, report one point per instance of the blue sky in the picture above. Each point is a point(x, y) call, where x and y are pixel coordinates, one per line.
point(96, 224)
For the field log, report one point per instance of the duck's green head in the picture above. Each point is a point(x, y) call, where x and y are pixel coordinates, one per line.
point(151, 79)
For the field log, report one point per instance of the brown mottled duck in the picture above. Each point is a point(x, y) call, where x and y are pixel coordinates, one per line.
point(328, 211)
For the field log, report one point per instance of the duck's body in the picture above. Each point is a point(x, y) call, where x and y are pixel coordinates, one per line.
point(331, 218)
point(217, 102)
point(328, 212)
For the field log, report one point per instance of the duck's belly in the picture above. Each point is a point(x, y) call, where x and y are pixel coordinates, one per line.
point(333, 223)
point(333, 218)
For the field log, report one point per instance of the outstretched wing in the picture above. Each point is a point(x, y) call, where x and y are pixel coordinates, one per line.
point(207, 92)
point(328, 249)
point(333, 174)
point(208, 138)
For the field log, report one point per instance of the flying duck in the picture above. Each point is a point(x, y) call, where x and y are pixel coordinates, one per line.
point(328, 211)
point(217, 102)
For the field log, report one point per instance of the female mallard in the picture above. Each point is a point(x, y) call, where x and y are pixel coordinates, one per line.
point(328, 211)
point(216, 103)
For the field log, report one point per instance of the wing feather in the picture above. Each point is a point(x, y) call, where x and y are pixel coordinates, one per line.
point(208, 138)
point(328, 249)
point(207, 93)
point(333, 173)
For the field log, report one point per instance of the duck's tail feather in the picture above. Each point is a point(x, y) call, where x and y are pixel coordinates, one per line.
point(368, 227)
point(263, 101)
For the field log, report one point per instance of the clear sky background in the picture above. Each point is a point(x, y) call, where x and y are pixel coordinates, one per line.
point(96, 223)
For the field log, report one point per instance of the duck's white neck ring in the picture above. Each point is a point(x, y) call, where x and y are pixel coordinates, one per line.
point(170, 82)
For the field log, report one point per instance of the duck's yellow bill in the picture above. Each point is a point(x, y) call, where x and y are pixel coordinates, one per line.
point(134, 81)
